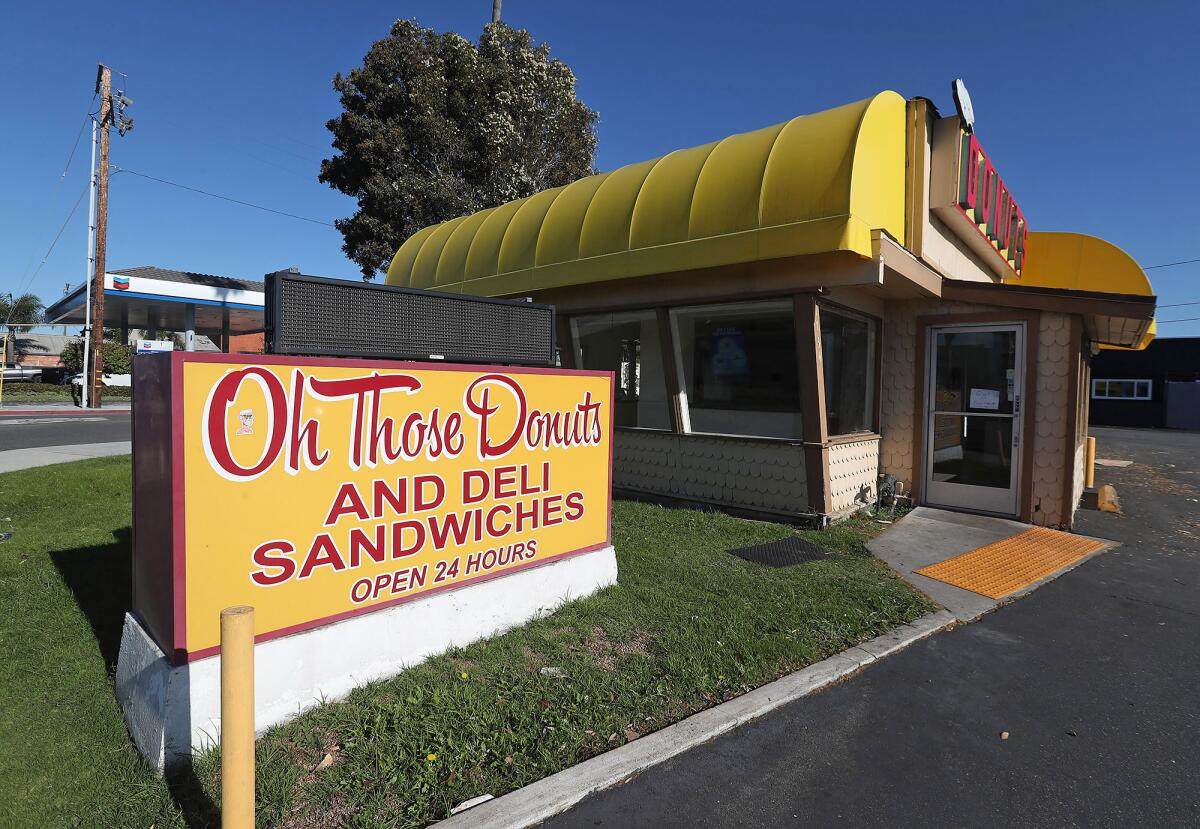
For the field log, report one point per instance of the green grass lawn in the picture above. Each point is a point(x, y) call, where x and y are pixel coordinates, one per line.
point(687, 627)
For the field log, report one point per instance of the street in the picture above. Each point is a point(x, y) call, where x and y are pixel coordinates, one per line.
point(27, 431)
point(1073, 706)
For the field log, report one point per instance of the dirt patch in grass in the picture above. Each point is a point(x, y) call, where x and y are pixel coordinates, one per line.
point(606, 652)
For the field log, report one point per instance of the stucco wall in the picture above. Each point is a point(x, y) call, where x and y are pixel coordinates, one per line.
point(853, 473)
point(759, 475)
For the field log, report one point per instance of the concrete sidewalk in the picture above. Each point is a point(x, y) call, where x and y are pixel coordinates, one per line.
point(927, 536)
point(14, 459)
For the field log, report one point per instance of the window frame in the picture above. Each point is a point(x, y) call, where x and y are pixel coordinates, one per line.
point(1096, 381)
point(786, 304)
point(681, 424)
point(875, 385)
point(575, 351)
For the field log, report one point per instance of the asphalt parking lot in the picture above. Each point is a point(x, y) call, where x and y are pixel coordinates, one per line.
point(1074, 706)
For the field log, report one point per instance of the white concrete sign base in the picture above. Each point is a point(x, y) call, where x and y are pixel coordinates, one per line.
point(175, 711)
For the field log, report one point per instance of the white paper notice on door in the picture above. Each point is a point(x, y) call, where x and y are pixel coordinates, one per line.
point(985, 399)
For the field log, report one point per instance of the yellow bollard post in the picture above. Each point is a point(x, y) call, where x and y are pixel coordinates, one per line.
point(237, 718)
point(1090, 465)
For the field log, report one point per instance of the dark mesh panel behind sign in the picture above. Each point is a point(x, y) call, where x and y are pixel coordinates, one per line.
point(316, 316)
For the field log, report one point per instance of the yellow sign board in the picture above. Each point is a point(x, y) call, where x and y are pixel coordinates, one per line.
point(318, 489)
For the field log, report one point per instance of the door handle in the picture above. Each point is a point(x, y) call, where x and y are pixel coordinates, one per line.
point(1016, 421)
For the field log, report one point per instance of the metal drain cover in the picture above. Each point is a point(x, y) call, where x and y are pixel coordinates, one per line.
point(782, 553)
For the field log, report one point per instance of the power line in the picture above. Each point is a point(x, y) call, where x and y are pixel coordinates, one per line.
point(1185, 319)
point(57, 236)
point(71, 157)
point(223, 198)
point(54, 190)
point(1179, 304)
point(1170, 264)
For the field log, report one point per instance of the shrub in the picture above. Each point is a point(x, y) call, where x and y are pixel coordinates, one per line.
point(117, 357)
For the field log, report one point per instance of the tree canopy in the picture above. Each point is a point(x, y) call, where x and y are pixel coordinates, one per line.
point(435, 127)
point(25, 309)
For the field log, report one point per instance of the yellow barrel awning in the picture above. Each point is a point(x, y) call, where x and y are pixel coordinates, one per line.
point(814, 184)
point(1079, 262)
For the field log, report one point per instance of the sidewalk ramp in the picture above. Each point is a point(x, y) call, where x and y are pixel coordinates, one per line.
point(1004, 567)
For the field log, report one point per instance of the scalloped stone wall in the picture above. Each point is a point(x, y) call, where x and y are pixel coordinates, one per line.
point(1056, 359)
point(853, 473)
point(761, 475)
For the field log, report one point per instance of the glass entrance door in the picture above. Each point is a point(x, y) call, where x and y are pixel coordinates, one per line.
point(972, 424)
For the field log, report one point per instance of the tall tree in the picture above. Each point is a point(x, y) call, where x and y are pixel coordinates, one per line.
point(25, 309)
point(22, 310)
point(435, 126)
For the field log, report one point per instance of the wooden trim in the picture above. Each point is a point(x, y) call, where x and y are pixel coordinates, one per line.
point(848, 309)
point(979, 318)
point(855, 437)
point(920, 412)
point(1073, 415)
point(914, 180)
point(1032, 322)
point(1060, 300)
point(878, 413)
point(710, 436)
point(727, 283)
point(637, 303)
point(671, 369)
point(1029, 426)
point(877, 409)
point(898, 260)
point(810, 367)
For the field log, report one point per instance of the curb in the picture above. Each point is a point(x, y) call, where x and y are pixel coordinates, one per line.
point(552, 795)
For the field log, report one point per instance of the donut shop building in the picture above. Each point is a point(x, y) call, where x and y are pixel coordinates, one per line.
point(794, 311)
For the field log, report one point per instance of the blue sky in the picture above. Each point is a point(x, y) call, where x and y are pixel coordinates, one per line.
point(1089, 109)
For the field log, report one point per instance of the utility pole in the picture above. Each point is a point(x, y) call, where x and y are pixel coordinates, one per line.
point(88, 270)
point(496, 10)
point(95, 371)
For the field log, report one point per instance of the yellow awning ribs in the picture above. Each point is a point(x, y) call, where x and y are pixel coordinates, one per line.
point(1078, 262)
point(814, 184)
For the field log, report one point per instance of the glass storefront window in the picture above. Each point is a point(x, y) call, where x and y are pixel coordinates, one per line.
point(737, 366)
point(629, 344)
point(848, 354)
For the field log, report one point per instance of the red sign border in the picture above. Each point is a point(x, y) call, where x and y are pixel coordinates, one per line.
point(181, 654)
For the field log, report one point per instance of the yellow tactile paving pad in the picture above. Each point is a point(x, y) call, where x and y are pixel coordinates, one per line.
point(999, 569)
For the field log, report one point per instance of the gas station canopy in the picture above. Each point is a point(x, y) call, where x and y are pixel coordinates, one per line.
point(156, 299)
